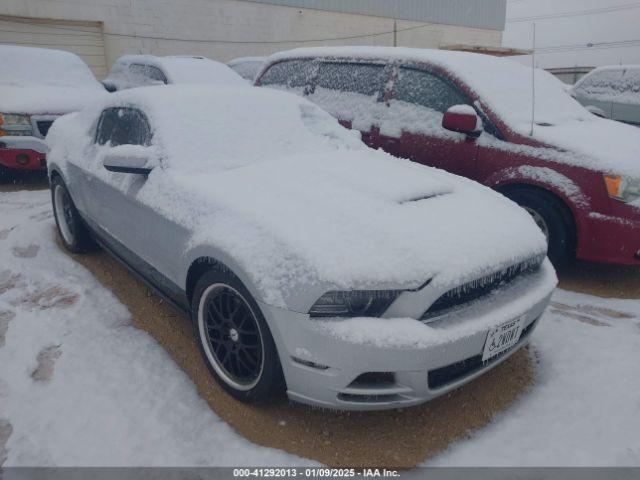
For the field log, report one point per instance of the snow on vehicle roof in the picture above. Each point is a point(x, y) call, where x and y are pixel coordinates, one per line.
point(505, 87)
point(183, 69)
point(503, 84)
point(616, 83)
point(44, 81)
point(27, 66)
point(234, 126)
point(277, 184)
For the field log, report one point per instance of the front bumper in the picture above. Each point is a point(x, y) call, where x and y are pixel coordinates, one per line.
point(613, 239)
point(387, 363)
point(23, 153)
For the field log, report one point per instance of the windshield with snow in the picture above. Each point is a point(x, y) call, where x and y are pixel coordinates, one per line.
point(30, 67)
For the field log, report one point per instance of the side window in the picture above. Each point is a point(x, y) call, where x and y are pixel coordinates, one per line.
point(154, 74)
point(422, 88)
point(630, 82)
point(366, 79)
point(123, 126)
point(290, 73)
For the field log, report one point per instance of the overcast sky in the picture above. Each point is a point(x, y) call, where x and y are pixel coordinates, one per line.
point(574, 32)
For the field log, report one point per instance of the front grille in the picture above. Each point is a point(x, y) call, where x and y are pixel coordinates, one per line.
point(443, 376)
point(44, 126)
point(476, 289)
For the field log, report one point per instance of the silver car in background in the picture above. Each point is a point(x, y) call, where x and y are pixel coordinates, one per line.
point(308, 262)
point(130, 71)
point(611, 92)
point(247, 67)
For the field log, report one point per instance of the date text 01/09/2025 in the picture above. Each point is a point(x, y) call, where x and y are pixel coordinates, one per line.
point(314, 472)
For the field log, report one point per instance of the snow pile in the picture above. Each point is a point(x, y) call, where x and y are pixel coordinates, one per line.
point(620, 83)
point(583, 408)
point(503, 87)
point(295, 199)
point(177, 69)
point(44, 81)
point(78, 384)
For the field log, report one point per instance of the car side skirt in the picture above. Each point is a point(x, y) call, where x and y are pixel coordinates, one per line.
point(155, 280)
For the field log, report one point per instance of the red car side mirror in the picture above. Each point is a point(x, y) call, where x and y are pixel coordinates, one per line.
point(462, 119)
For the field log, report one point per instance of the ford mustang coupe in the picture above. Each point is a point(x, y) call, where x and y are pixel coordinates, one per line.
point(308, 262)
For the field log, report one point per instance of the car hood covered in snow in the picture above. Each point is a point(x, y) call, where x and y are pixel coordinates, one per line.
point(597, 144)
point(44, 81)
point(296, 199)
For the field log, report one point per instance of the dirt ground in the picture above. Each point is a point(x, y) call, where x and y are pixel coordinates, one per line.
point(23, 181)
point(601, 280)
point(398, 438)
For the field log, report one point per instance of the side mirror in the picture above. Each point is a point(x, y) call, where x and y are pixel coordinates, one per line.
point(137, 163)
point(108, 86)
point(462, 119)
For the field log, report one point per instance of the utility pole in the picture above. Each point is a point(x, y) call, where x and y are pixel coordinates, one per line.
point(533, 81)
point(395, 33)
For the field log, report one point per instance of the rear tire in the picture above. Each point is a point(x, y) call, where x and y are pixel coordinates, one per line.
point(234, 338)
point(550, 215)
point(73, 233)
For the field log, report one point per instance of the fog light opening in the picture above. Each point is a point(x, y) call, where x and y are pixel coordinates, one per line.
point(374, 378)
point(637, 255)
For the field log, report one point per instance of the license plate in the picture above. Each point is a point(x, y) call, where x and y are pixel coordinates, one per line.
point(502, 338)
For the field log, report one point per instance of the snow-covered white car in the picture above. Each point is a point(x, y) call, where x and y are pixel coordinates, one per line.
point(306, 260)
point(37, 85)
point(247, 67)
point(131, 71)
point(611, 92)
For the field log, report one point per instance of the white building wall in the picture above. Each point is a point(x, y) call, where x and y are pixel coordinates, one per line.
point(222, 22)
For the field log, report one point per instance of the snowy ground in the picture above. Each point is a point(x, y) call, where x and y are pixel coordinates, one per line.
point(80, 386)
point(584, 408)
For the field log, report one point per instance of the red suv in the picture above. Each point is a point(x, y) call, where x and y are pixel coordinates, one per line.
point(487, 119)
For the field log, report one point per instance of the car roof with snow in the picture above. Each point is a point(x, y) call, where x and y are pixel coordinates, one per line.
point(238, 125)
point(506, 87)
point(28, 66)
point(176, 69)
point(44, 81)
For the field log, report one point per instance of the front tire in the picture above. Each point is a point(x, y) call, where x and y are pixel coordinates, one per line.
point(550, 216)
point(234, 338)
point(73, 232)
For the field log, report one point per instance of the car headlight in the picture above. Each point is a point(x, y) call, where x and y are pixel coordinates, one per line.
point(355, 303)
point(622, 188)
point(15, 124)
